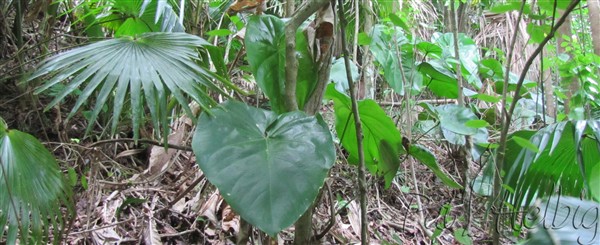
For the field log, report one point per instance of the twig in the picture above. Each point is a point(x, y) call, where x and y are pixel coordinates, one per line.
point(143, 141)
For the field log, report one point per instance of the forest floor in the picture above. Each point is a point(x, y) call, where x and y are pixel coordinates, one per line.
point(131, 193)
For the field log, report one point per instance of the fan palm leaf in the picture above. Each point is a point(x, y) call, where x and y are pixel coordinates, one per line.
point(146, 69)
point(32, 189)
point(565, 160)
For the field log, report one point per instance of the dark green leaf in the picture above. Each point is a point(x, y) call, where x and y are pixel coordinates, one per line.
point(269, 168)
point(266, 55)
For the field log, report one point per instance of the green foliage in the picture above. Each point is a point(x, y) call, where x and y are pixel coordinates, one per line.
point(148, 69)
point(268, 167)
point(565, 161)
point(265, 45)
point(389, 46)
point(33, 190)
point(468, 52)
point(381, 139)
point(134, 17)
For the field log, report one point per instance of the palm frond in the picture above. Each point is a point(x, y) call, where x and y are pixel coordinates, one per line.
point(32, 189)
point(567, 153)
point(148, 69)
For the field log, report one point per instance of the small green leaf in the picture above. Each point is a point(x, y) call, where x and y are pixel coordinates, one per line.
point(219, 32)
point(399, 22)
point(477, 123)
point(364, 39)
point(525, 143)
point(510, 6)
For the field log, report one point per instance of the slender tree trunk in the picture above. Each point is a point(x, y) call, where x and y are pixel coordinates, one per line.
point(594, 12)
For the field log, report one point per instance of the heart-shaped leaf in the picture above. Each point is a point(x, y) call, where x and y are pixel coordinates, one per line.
point(269, 168)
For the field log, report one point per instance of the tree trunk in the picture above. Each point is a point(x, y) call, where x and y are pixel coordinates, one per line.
point(594, 12)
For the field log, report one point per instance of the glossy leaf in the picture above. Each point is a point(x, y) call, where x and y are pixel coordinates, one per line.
point(269, 168)
point(30, 183)
point(148, 69)
point(426, 157)
point(381, 138)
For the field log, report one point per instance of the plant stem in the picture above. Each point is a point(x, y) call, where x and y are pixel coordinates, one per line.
point(362, 185)
point(291, 63)
point(465, 149)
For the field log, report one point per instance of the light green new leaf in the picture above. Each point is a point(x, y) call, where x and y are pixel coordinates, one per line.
point(268, 167)
point(148, 69)
point(32, 190)
point(381, 138)
point(426, 157)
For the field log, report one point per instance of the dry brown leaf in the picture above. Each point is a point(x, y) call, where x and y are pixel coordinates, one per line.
point(160, 159)
point(105, 236)
point(151, 236)
point(130, 152)
point(230, 220)
point(210, 208)
point(354, 217)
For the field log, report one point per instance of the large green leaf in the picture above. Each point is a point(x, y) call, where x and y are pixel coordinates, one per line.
point(381, 138)
point(147, 69)
point(265, 45)
point(567, 155)
point(269, 168)
point(32, 190)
